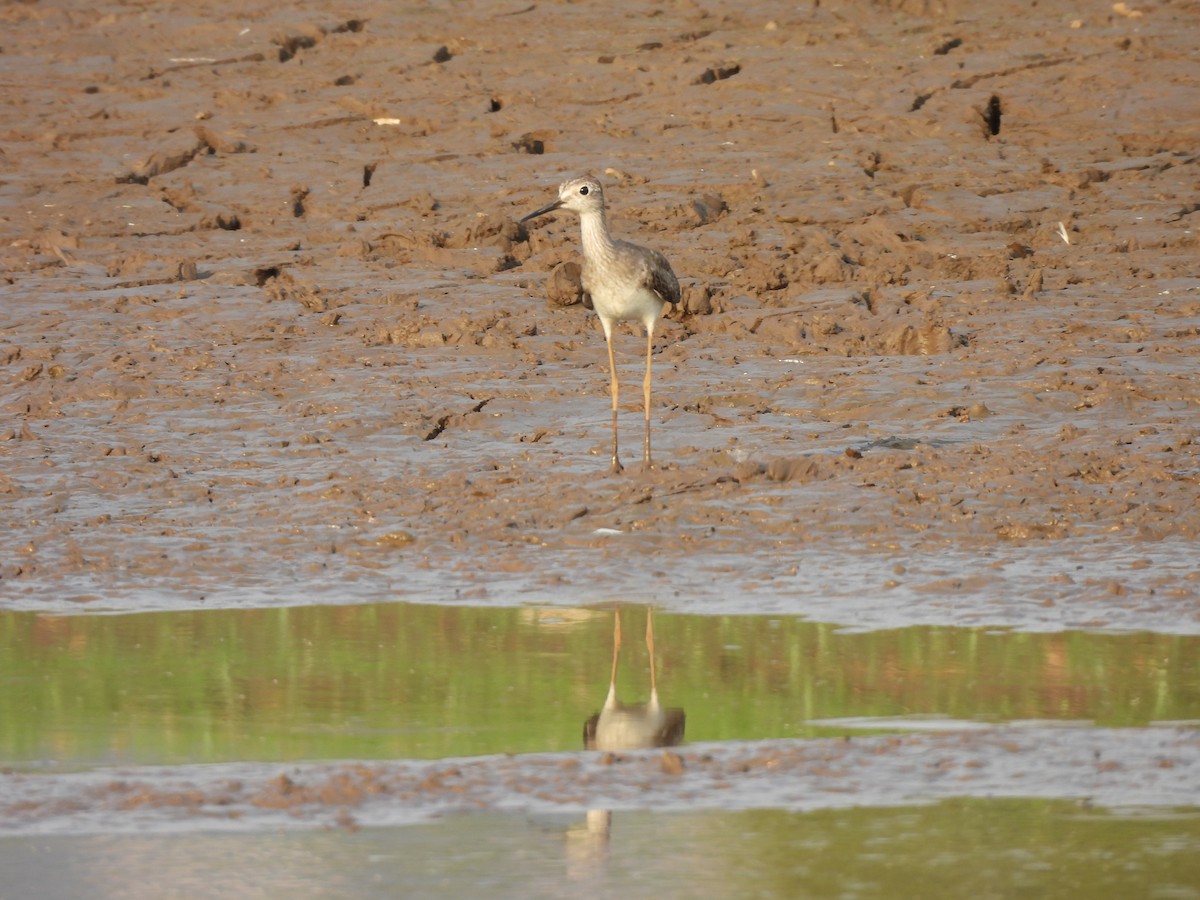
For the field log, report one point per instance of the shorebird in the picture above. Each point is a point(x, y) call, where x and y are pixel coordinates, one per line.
point(633, 726)
point(625, 282)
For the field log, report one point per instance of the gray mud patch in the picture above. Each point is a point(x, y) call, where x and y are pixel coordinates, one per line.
point(1102, 767)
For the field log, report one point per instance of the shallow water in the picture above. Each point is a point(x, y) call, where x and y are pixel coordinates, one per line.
point(976, 847)
point(145, 738)
point(113, 724)
point(400, 681)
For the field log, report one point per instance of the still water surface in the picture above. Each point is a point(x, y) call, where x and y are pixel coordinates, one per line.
point(394, 681)
point(397, 681)
point(960, 848)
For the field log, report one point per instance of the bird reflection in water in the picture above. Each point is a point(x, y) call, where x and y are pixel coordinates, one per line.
point(633, 726)
point(621, 726)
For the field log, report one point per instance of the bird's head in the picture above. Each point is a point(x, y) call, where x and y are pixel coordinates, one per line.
point(579, 195)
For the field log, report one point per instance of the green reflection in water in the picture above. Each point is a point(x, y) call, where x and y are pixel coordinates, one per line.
point(398, 680)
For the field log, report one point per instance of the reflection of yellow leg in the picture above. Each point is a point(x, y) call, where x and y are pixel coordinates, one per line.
point(616, 646)
point(647, 462)
point(650, 647)
point(612, 370)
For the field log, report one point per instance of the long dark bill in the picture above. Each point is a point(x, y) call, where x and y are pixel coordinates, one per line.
point(551, 207)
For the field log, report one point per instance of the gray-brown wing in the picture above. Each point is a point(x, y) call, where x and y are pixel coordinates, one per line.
point(660, 277)
point(671, 732)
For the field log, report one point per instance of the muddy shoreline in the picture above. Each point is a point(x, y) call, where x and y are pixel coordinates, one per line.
point(1104, 767)
point(271, 334)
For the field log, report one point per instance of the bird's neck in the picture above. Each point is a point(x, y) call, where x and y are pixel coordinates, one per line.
point(597, 244)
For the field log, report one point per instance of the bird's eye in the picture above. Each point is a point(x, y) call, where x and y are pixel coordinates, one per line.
point(584, 190)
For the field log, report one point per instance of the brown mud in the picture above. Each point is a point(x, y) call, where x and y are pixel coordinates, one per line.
point(1124, 767)
point(271, 333)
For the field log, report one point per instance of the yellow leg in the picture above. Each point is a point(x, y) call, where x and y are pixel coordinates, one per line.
point(647, 462)
point(616, 645)
point(650, 647)
point(612, 369)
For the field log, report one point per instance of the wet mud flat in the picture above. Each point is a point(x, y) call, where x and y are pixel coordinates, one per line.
point(1102, 767)
point(270, 329)
point(272, 336)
